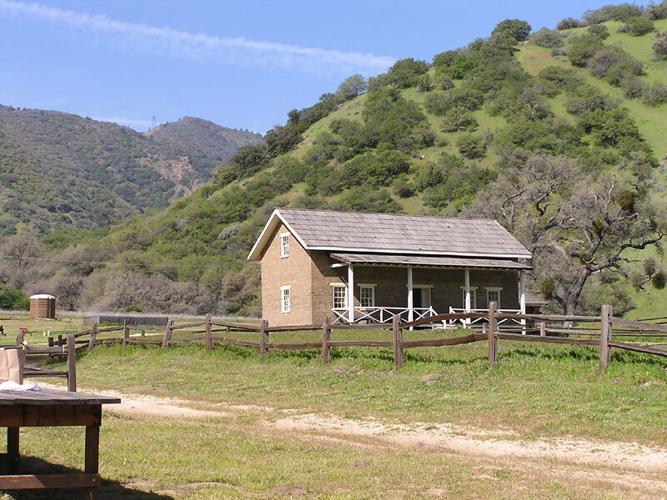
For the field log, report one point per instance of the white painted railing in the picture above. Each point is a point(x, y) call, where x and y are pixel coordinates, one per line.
point(379, 315)
point(468, 322)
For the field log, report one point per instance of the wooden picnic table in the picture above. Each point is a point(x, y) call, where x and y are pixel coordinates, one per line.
point(49, 408)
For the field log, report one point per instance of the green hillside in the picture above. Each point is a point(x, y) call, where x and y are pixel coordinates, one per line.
point(62, 170)
point(569, 158)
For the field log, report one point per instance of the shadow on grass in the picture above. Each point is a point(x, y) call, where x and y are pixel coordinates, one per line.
point(109, 489)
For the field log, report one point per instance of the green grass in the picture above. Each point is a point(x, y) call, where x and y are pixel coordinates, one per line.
point(539, 390)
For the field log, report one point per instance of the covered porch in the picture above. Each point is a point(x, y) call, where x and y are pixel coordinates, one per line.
point(376, 287)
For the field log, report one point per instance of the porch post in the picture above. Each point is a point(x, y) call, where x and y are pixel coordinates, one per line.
point(410, 297)
point(466, 287)
point(522, 298)
point(350, 293)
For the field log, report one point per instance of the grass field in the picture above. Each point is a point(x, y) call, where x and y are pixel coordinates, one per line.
point(533, 392)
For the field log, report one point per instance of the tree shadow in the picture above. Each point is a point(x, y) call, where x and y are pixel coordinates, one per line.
point(109, 489)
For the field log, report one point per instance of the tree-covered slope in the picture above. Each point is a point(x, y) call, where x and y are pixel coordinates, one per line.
point(59, 169)
point(567, 156)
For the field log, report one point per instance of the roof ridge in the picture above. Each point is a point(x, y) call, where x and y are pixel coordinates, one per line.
point(351, 212)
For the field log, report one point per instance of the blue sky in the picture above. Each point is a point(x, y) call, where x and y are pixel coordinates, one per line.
point(242, 64)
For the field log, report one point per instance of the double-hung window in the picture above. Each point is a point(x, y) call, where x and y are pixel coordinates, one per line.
point(367, 295)
point(493, 295)
point(473, 297)
point(339, 296)
point(284, 245)
point(285, 299)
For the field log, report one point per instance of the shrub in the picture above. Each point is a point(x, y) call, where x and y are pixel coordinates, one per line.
point(621, 12)
point(660, 47)
point(402, 187)
point(406, 72)
point(547, 38)
point(657, 11)
point(453, 63)
point(439, 103)
point(613, 64)
point(12, 298)
point(599, 30)
point(582, 48)
point(391, 119)
point(586, 98)
point(351, 87)
point(458, 118)
point(639, 25)
point(610, 127)
point(425, 83)
point(568, 23)
point(471, 146)
point(360, 199)
point(656, 94)
point(634, 87)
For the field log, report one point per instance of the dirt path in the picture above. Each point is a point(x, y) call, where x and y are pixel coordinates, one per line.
point(623, 456)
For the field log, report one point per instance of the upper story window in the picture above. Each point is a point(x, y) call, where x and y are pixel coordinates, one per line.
point(284, 245)
point(339, 296)
point(493, 295)
point(367, 295)
point(285, 299)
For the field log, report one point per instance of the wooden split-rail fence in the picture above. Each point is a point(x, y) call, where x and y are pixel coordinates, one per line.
point(604, 332)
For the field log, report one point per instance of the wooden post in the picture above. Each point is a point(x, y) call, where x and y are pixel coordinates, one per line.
point(398, 343)
point(543, 329)
point(92, 455)
point(168, 331)
point(60, 340)
point(126, 333)
point(493, 348)
point(605, 334)
point(50, 341)
point(143, 332)
point(209, 339)
point(13, 449)
point(71, 363)
point(264, 339)
point(93, 337)
point(326, 337)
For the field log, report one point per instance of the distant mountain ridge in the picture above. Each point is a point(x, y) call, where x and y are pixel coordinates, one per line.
point(59, 169)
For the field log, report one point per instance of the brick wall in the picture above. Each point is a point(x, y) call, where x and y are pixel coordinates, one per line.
point(294, 271)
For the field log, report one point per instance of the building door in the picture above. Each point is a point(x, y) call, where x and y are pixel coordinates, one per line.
point(421, 297)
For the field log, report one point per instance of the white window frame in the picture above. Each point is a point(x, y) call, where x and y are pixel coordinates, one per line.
point(473, 297)
point(334, 287)
point(285, 305)
point(284, 245)
point(496, 289)
point(367, 286)
point(430, 293)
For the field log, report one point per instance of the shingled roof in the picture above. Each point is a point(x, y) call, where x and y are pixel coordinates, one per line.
point(395, 234)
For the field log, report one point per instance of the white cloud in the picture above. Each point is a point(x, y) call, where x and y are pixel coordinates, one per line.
point(230, 50)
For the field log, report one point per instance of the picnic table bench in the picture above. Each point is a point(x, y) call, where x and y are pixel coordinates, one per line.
point(47, 408)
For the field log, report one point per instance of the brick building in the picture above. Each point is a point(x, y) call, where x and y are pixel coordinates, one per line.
point(355, 267)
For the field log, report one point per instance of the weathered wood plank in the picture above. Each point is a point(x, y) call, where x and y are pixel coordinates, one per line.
point(475, 337)
point(49, 481)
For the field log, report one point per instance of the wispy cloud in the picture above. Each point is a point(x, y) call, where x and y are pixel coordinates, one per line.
point(229, 50)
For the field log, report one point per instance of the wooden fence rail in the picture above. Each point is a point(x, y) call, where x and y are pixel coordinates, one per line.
point(602, 332)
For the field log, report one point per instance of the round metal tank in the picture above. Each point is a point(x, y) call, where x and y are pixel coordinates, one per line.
point(42, 306)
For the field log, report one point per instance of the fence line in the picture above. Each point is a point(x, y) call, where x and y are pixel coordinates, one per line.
point(600, 332)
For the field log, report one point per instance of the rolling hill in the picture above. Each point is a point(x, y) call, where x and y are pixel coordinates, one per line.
point(62, 170)
point(567, 153)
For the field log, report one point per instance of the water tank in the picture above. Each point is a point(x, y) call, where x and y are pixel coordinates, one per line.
point(42, 306)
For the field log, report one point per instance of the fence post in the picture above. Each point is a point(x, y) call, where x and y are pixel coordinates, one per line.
point(605, 334)
point(93, 337)
point(126, 333)
point(264, 339)
point(71, 363)
point(209, 340)
point(167, 333)
point(143, 332)
point(398, 343)
point(543, 329)
point(326, 337)
point(493, 348)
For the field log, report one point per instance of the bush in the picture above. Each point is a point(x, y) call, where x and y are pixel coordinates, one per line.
point(634, 87)
point(547, 38)
point(457, 119)
point(406, 72)
point(656, 94)
point(351, 87)
point(453, 64)
point(657, 11)
point(360, 199)
point(582, 48)
point(639, 25)
point(660, 47)
point(471, 146)
point(13, 299)
point(613, 65)
point(391, 119)
point(621, 12)
point(599, 30)
point(425, 83)
point(568, 23)
point(439, 103)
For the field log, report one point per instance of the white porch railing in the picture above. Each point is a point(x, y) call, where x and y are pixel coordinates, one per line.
point(381, 315)
point(471, 322)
